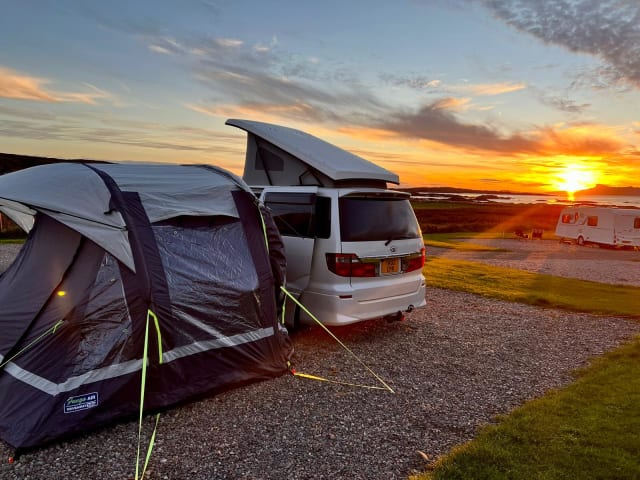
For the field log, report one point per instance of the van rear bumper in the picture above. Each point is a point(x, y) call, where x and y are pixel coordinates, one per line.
point(333, 309)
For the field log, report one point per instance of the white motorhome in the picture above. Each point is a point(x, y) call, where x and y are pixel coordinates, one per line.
point(606, 226)
point(354, 248)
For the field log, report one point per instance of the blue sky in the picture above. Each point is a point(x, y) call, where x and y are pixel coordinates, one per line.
point(527, 94)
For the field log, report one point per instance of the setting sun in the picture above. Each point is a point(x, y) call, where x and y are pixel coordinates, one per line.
point(575, 177)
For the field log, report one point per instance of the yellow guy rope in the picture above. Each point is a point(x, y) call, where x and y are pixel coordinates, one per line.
point(150, 314)
point(386, 387)
point(50, 330)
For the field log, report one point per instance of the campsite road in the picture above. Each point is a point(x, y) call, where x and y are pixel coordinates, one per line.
point(454, 365)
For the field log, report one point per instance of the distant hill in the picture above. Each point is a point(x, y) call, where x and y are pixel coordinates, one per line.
point(444, 190)
point(606, 190)
point(10, 162)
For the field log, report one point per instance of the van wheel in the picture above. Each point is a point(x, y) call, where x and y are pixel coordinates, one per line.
point(580, 240)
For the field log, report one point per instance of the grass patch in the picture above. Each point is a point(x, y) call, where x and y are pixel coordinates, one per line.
point(453, 241)
point(532, 288)
point(588, 430)
point(436, 217)
point(11, 240)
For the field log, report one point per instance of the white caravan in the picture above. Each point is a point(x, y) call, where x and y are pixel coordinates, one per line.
point(354, 248)
point(606, 226)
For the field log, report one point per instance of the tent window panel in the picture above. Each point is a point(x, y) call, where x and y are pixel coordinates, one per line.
point(106, 324)
point(211, 277)
point(592, 221)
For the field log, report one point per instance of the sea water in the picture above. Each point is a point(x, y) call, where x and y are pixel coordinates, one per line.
point(600, 200)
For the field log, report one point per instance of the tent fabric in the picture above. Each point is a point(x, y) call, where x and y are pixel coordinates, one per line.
point(167, 191)
point(211, 279)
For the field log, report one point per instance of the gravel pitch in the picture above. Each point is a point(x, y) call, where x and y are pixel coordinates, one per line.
point(454, 365)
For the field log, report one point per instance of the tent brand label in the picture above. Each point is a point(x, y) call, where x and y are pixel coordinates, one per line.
point(81, 402)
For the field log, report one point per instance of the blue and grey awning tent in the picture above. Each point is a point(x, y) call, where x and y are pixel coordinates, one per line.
point(180, 254)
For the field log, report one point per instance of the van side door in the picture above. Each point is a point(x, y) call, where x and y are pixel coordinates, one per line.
point(294, 215)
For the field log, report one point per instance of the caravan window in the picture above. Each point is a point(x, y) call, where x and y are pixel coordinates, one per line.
point(567, 218)
point(636, 222)
point(300, 214)
point(592, 221)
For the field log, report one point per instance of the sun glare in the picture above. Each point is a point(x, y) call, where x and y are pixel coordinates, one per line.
point(575, 177)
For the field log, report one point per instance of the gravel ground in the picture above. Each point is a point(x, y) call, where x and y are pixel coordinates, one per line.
point(454, 365)
point(554, 258)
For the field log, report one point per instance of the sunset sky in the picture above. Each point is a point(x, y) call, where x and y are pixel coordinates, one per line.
point(526, 95)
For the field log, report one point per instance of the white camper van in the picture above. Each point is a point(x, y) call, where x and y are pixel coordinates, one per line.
point(615, 227)
point(354, 248)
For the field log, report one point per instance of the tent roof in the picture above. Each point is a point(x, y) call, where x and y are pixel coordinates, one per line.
point(74, 194)
point(332, 161)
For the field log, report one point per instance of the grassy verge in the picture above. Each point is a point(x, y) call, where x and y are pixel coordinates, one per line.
point(588, 430)
point(453, 241)
point(492, 217)
point(533, 289)
point(11, 240)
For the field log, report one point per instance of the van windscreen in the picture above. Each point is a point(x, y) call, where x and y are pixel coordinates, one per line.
point(377, 218)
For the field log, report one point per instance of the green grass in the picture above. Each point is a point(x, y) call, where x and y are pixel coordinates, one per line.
point(588, 430)
point(531, 288)
point(453, 241)
point(11, 240)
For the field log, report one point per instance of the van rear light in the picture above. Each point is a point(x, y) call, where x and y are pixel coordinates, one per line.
point(415, 262)
point(349, 265)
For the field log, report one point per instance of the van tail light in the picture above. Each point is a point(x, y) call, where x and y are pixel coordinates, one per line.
point(415, 262)
point(349, 265)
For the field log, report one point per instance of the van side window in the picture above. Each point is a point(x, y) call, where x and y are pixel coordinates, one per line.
point(592, 221)
point(300, 214)
point(323, 217)
point(636, 222)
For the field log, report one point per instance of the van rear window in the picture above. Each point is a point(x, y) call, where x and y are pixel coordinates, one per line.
point(373, 218)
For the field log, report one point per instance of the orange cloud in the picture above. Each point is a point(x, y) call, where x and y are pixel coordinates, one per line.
point(451, 103)
point(272, 113)
point(17, 86)
point(490, 89)
point(22, 87)
point(583, 140)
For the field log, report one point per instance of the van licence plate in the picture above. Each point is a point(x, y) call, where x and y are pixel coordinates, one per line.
point(389, 266)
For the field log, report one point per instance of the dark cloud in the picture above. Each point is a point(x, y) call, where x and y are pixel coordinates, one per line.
point(607, 29)
point(135, 134)
point(562, 103)
point(432, 122)
point(271, 79)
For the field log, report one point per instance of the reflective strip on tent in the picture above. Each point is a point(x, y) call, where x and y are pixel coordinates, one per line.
point(126, 368)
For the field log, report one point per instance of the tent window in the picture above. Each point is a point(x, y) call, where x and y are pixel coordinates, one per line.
point(266, 160)
point(592, 221)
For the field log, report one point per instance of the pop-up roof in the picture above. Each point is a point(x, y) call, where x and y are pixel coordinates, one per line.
point(279, 155)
